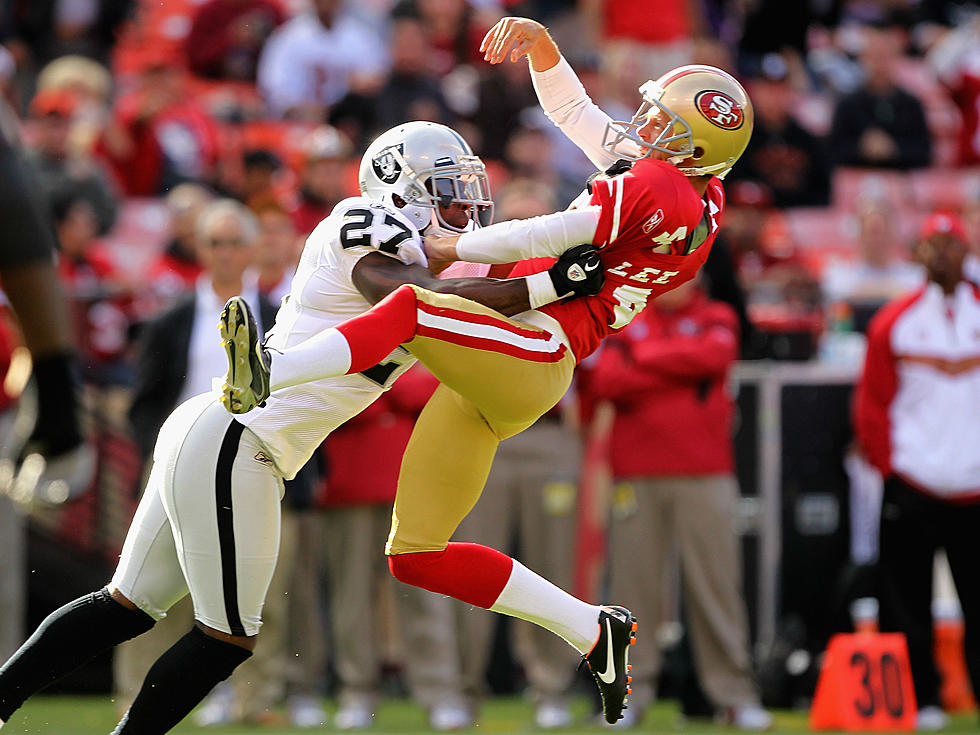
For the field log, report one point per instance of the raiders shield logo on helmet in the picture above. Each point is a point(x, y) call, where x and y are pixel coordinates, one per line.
point(386, 166)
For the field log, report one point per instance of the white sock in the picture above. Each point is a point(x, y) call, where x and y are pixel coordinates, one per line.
point(530, 596)
point(324, 355)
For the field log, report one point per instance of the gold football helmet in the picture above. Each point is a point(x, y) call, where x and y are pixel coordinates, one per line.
point(704, 120)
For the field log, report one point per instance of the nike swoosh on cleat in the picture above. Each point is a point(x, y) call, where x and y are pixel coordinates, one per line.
point(609, 675)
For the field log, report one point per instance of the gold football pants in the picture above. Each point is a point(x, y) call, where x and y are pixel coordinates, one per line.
point(498, 376)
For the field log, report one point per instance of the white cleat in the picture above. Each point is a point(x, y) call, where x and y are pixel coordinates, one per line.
point(552, 716)
point(750, 718)
point(447, 717)
point(305, 711)
point(354, 717)
point(930, 719)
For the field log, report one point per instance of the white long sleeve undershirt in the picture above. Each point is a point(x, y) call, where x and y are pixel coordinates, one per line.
point(547, 236)
point(565, 102)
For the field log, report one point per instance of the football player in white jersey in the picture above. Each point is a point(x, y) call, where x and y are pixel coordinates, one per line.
point(208, 521)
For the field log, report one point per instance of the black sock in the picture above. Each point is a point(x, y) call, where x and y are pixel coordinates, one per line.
point(70, 636)
point(57, 427)
point(178, 681)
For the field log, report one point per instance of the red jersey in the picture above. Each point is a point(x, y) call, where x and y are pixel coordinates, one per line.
point(654, 233)
point(101, 306)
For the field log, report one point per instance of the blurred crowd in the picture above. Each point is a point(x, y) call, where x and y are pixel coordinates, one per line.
point(866, 123)
point(187, 148)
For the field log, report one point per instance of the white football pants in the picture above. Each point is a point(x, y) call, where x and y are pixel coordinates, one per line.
point(208, 522)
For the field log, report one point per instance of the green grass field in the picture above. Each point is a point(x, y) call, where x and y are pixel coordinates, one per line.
point(96, 716)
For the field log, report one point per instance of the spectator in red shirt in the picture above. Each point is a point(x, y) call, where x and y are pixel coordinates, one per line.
point(158, 137)
point(227, 35)
point(671, 457)
point(100, 303)
point(357, 512)
point(956, 61)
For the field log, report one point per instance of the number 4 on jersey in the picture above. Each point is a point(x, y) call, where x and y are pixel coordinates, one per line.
point(664, 239)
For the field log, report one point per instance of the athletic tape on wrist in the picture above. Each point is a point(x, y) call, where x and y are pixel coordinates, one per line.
point(541, 289)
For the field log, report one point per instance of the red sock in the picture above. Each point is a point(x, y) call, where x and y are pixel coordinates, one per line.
point(380, 329)
point(472, 573)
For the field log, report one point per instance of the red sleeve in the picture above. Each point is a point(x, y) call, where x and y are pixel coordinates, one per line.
point(705, 355)
point(877, 386)
point(602, 197)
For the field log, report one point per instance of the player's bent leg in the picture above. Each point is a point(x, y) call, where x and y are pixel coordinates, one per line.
point(68, 638)
point(443, 472)
point(180, 679)
point(223, 506)
point(148, 576)
point(351, 347)
point(529, 357)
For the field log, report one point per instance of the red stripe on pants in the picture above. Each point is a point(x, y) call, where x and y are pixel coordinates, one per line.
point(491, 345)
point(485, 319)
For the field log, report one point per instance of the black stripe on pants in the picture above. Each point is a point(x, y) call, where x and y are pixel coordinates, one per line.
point(226, 524)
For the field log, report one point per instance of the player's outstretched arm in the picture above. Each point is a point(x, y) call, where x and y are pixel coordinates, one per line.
point(376, 275)
point(577, 273)
point(514, 37)
point(560, 93)
point(547, 236)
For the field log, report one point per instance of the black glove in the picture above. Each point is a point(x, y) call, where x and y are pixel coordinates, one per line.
point(578, 272)
point(621, 166)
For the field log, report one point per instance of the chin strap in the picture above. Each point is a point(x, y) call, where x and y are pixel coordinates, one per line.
point(719, 169)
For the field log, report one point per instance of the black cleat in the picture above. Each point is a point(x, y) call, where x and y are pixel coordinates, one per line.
point(247, 380)
point(609, 659)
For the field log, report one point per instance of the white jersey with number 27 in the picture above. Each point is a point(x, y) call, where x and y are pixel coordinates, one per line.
point(295, 420)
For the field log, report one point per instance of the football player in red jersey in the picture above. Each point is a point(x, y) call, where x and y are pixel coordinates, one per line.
point(655, 211)
point(653, 217)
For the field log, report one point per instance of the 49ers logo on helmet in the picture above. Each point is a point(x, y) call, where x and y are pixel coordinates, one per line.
point(720, 109)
